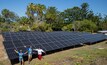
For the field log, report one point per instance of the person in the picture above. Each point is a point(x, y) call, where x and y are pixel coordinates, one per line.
point(20, 56)
point(39, 50)
point(29, 54)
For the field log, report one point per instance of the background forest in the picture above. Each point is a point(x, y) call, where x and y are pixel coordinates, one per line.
point(40, 18)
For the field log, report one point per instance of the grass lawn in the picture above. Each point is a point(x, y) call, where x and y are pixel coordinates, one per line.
point(95, 54)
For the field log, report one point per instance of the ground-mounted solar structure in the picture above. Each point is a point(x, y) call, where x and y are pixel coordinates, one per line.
point(48, 41)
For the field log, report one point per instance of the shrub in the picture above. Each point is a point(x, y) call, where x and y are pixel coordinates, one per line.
point(42, 26)
point(57, 26)
point(49, 30)
point(67, 27)
point(35, 27)
point(85, 25)
point(23, 28)
point(4, 29)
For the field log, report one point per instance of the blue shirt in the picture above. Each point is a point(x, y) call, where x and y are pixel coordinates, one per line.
point(20, 55)
point(29, 51)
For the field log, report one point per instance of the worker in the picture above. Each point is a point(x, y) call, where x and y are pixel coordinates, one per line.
point(40, 51)
point(21, 60)
point(29, 54)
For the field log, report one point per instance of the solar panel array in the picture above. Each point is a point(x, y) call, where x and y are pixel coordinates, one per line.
point(93, 38)
point(48, 41)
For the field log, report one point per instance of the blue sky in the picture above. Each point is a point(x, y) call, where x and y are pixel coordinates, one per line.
point(19, 6)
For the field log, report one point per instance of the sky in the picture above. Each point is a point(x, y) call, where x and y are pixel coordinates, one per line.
point(19, 6)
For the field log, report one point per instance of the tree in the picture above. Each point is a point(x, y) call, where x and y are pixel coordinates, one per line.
point(90, 15)
point(85, 25)
point(103, 24)
point(72, 14)
point(37, 9)
point(24, 20)
point(30, 12)
point(9, 16)
point(5, 13)
point(51, 14)
point(40, 9)
point(84, 10)
point(2, 19)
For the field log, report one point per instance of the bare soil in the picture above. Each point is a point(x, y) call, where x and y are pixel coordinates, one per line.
point(3, 55)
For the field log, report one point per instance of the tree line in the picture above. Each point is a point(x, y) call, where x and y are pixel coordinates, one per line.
point(40, 18)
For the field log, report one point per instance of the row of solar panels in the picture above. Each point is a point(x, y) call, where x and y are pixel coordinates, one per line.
point(48, 41)
point(47, 46)
point(43, 34)
point(11, 36)
point(92, 38)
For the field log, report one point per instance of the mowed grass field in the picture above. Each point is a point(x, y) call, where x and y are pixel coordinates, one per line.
point(95, 54)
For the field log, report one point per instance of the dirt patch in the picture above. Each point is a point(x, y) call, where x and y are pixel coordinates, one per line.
point(99, 61)
point(65, 61)
point(3, 55)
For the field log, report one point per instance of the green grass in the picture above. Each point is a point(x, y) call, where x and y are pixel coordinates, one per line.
point(1, 63)
point(86, 55)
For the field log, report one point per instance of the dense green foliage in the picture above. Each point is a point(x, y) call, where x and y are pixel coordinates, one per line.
point(44, 27)
point(85, 25)
point(67, 27)
point(40, 18)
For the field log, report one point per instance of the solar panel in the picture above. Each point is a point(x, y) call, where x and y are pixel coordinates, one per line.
point(48, 41)
point(47, 47)
point(26, 42)
point(8, 44)
point(53, 45)
point(41, 41)
point(12, 56)
point(92, 38)
point(18, 43)
point(10, 51)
